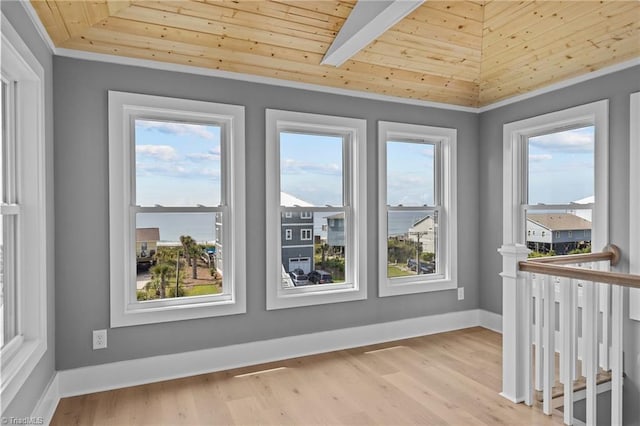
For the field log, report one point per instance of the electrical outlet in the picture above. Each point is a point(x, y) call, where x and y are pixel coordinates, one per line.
point(460, 293)
point(99, 339)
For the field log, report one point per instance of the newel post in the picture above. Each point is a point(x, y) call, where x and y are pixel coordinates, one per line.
point(514, 324)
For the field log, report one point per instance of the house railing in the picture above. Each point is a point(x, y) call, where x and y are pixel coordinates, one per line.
point(566, 305)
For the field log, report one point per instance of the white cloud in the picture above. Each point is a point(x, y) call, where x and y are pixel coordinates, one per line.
point(211, 155)
point(570, 141)
point(291, 166)
point(160, 152)
point(198, 130)
point(536, 158)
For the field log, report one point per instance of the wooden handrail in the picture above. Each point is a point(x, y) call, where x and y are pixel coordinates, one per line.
point(626, 280)
point(610, 253)
point(555, 265)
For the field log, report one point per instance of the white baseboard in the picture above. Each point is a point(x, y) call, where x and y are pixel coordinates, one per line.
point(490, 320)
point(46, 406)
point(96, 378)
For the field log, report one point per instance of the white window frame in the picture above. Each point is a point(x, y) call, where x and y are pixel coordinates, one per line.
point(308, 232)
point(124, 108)
point(446, 187)
point(354, 189)
point(288, 234)
point(634, 202)
point(306, 215)
point(20, 356)
point(515, 137)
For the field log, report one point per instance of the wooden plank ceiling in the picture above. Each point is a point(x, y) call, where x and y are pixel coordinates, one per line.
point(469, 53)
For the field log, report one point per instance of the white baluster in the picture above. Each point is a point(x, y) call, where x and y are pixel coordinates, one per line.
point(539, 308)
point(604, 291)
point(574, 316)
point(527, 313)
point(617, 319)
point(567, 356)
point(549, 359)
point(582, 348)
point(590, 341)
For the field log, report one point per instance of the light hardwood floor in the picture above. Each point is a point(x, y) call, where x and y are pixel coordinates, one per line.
point(444, 379)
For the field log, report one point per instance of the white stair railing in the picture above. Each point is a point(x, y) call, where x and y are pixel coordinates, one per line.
point(585, 330)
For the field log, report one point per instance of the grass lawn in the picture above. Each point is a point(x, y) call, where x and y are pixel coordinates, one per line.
point(201, 290)
point(394, 271)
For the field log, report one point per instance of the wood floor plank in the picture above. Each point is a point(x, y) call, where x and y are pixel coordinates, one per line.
point(444, 379)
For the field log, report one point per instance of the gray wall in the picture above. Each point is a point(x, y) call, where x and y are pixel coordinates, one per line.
point(616, 87)
point(82, 244)
point(25, 401)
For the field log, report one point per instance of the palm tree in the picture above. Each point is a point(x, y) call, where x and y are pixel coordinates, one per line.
point(160, 274)
point(187, 242)
point(324, 248)
point(194, 251)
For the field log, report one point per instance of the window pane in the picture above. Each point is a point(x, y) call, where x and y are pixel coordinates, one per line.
point(410, 174)
point(411, 243)
point(178, 249)
point(177, 164)
point(311, 172)
point(559, 232)
point(313, 248)
point(561, 167)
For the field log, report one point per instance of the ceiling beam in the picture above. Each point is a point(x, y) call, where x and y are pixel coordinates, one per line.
point(367, 20)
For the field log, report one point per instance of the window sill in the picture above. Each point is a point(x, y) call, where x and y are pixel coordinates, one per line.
point(17, 370)
point(295, 298)
point(411, 286)
point(135, 314)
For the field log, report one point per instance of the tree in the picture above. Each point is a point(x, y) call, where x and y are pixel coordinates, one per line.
point(399, 251)
point(187, 242)
point(160, 275)
point(194, 251)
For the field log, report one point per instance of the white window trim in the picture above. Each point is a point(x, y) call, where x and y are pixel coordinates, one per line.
point(125, 310)
point(447, 219)
point(26, 350)
point(634, 201)
point(355, 182)
point(288, 234)
point(514, 135)
point(306, 231)
point(306, 215)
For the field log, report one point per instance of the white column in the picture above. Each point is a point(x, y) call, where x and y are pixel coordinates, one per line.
point(514, 324)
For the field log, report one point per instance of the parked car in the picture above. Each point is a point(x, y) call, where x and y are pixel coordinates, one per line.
point(425, 267)
point(320, 277)
point(299, 277)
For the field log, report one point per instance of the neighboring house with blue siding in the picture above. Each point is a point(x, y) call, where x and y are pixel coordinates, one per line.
point(296, 235)
point(560, 232)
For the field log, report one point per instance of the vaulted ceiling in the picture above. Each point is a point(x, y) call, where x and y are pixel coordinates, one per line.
point(468, 53)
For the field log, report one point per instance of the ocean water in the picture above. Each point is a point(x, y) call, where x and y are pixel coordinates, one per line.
point(202, 226)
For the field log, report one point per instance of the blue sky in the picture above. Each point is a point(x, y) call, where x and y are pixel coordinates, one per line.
point(311, 168)
point(410, 174)
point(177, 164)
point(561, 166)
